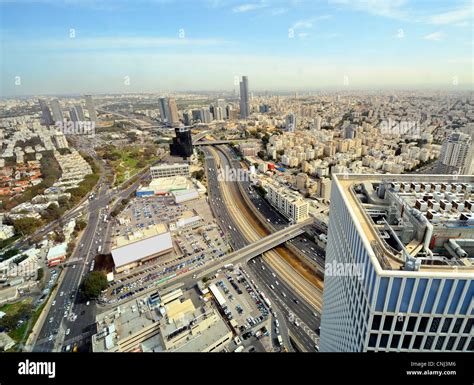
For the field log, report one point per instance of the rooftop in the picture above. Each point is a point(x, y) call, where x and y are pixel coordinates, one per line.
point(422, 223)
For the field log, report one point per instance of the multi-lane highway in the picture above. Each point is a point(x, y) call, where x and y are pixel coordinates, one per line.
point(230, 215)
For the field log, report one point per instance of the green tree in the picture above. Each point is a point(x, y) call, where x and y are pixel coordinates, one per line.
point(94, 283)
point(26, 226)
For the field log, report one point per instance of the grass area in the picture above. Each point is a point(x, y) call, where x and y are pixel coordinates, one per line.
point(128, 161)
point(12, 308)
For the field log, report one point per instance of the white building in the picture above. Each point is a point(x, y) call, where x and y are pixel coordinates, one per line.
point(167, 170)
point(288, 203)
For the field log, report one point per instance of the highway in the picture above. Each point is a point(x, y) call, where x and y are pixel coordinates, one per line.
point(230, 214)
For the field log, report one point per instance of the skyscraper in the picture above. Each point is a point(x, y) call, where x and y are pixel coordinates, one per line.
point(76, 113)
point(57, 112)
point(91, 108)
point(456, 154)
point(244, 98)
point(182, 144)
point(47, 118)
point(291, 122)
point(173, 118)
point(398, 275)
point(164, 112)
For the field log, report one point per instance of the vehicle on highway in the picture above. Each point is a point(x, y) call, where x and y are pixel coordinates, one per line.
point(50, 337)
point(316, 347)
point(283, 294)
point(54, 303)
point(296, 301)
point(51, 320)
point(88, 303)
point(61, 294)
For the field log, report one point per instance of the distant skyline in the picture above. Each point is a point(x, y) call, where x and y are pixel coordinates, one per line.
point(105, 46)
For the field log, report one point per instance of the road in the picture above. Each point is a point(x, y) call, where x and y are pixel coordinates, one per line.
point(230, 216)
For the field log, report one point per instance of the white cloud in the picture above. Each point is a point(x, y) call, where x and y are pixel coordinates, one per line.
point(309, 23)
point(435, 36)
point(248, 7)
point(303, 35)
point(458, 16)
point(278, 11)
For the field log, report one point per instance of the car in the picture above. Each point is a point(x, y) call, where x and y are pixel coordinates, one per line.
point(61, 294)
point(51, 320)
point(50, 337)
point(283, 294)
point(68, 331)
point(277, 324)
point(54, 303)
point(316, 347)
point(88, 303)
point(296, 301)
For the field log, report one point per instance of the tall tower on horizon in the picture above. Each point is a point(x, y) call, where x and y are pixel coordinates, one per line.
point(57, 112)
point(244, 98)
point(91, 108)
point(47, 118)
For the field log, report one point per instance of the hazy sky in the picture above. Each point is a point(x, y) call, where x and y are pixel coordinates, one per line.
point(93, 46)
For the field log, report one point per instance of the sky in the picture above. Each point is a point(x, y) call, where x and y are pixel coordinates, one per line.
point(121, 46)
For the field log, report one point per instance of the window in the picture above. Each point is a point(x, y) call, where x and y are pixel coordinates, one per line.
point(376, 322)
point(388, 323)
point(423, 324)
point(417, 343)
point(406, 342)
point(456, 296)
point(373, 340)
point(420, 293)
point(446, 325)
point(381, 295)
point(407, 292)
point(435, 324)
point(443, 299)
point(461, 343)
point(383, 341)
point(395, 341)
point(394, 293)
point(439, 344)
point(433, 290)
point(457, 325)
point(411, 324)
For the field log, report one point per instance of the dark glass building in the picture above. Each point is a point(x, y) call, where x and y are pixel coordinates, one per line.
point(182, 143)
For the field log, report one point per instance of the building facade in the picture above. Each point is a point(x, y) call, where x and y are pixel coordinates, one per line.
point(392, 281)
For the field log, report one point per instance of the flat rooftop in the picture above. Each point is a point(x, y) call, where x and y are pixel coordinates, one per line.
point(422, 223)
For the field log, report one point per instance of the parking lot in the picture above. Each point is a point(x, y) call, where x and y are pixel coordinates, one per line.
point(243, 303)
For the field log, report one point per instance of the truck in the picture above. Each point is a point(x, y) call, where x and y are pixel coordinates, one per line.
point(229, 266)
point(280, 340)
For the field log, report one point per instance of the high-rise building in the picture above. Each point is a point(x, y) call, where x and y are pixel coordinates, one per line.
point(182, 143)
point(187, 118)
point(456, 154)
point(173, 118)
point(76, 113)
point(218, 113)
point(91, 108)
point(205, 115)
point(318, 123)
point(57, 112)
point(47, 118)
point(399, 274)
point(291, 122)
point(164, 111)
point(244, 98)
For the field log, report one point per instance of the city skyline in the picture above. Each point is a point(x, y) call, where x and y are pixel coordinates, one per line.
point(99, 47)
